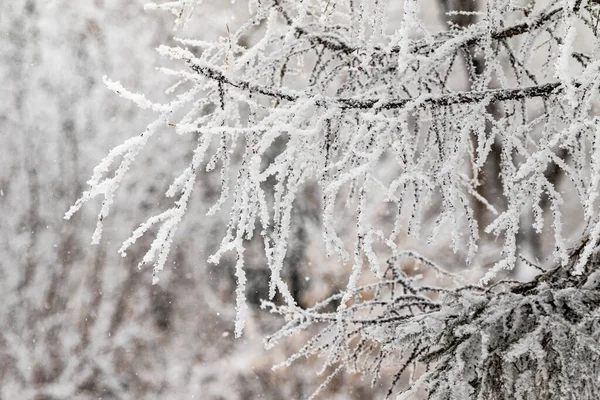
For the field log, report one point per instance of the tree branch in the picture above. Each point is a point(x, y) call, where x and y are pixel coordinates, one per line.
point(443, 100)
point(422, 46)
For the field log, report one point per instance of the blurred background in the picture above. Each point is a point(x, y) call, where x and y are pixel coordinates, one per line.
point(80, 322)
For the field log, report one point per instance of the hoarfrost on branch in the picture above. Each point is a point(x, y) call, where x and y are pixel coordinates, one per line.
point(368, 101)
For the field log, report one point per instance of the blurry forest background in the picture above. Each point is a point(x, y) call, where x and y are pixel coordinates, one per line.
point(79, 321)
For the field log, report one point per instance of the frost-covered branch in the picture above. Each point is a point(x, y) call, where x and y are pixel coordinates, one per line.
point(366, 103)
point(515, 340)
point(444, 100)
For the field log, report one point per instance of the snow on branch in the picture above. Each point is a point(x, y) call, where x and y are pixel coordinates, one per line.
point(378, 109)
point(512, 340)
point(490, 95)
